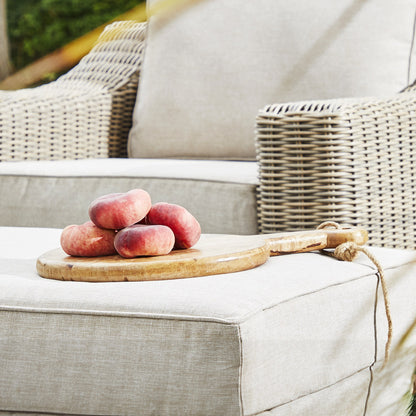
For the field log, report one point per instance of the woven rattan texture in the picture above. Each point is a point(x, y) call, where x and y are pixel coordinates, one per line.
point(353, 161)
point(86, 113)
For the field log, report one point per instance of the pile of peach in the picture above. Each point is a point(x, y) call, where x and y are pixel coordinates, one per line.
point(128, 224)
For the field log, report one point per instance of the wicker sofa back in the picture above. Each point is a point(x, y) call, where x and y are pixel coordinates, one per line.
point(351, 160)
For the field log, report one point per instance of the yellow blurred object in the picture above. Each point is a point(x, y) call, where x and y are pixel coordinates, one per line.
point(75, 50)
point(70, 54)
point(65, 57)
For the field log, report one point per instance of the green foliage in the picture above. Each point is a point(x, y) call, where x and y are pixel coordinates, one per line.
point(37, 27)
point(412, 406)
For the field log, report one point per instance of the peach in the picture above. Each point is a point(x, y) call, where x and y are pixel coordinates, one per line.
point(184, 225)
point(144, 240)
point(119, 210)
point(87, 240)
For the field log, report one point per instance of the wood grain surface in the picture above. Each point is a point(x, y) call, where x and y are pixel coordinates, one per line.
point(213, 254)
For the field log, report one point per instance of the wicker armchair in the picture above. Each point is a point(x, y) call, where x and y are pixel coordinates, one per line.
point(350, 160)
point(86, 113)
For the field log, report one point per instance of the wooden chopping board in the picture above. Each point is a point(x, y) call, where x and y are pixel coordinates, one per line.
point(213, 254)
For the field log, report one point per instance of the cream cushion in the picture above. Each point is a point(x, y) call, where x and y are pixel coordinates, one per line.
point(293, 336)
point(211, 66)
point(221, 194)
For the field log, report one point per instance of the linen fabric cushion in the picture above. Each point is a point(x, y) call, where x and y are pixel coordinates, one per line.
point(210, 67)
point(293, 335)
point(220, 194)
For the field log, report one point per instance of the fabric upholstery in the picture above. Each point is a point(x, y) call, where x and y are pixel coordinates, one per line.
point(221, 195)
point(210, 66)
point(293, 334)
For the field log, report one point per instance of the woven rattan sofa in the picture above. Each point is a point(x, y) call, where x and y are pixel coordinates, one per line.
point(69, 139)
point(297, 336)
point(350, 160)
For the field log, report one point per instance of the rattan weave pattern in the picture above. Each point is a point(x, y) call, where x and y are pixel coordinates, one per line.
point(86, 113)
point(353, 161)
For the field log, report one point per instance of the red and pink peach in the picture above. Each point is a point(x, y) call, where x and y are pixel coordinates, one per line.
point(87, 240)
point(119, 210)
point(184, 225)
point(144, 240)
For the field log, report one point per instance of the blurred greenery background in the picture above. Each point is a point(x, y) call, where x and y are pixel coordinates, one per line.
point(38, 27)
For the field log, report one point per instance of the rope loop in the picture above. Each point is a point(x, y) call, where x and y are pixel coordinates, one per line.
point(349, 251)
point(328, 224)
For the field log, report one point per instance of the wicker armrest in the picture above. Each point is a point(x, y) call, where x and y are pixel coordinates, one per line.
point(86, 112)
point(352, 161)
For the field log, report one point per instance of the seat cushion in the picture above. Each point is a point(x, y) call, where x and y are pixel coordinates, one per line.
point(220, 194)
point(293, 335)
point(210, 66)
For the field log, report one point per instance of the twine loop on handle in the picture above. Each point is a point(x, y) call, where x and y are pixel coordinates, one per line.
point(348, 251)
point(328, 224)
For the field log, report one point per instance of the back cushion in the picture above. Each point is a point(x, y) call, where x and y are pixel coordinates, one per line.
point(210, 66)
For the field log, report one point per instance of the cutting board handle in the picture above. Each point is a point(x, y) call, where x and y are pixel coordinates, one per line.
point(303, 241)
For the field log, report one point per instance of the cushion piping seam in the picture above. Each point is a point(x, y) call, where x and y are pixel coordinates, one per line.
point(327, 287)
point(240, 371)
point(116, 314)
point(312, 392)
point(20, 175)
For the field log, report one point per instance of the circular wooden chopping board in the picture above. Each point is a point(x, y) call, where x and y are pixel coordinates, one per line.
point(213, 254)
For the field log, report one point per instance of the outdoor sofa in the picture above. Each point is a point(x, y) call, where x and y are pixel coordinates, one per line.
point(183, 107)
